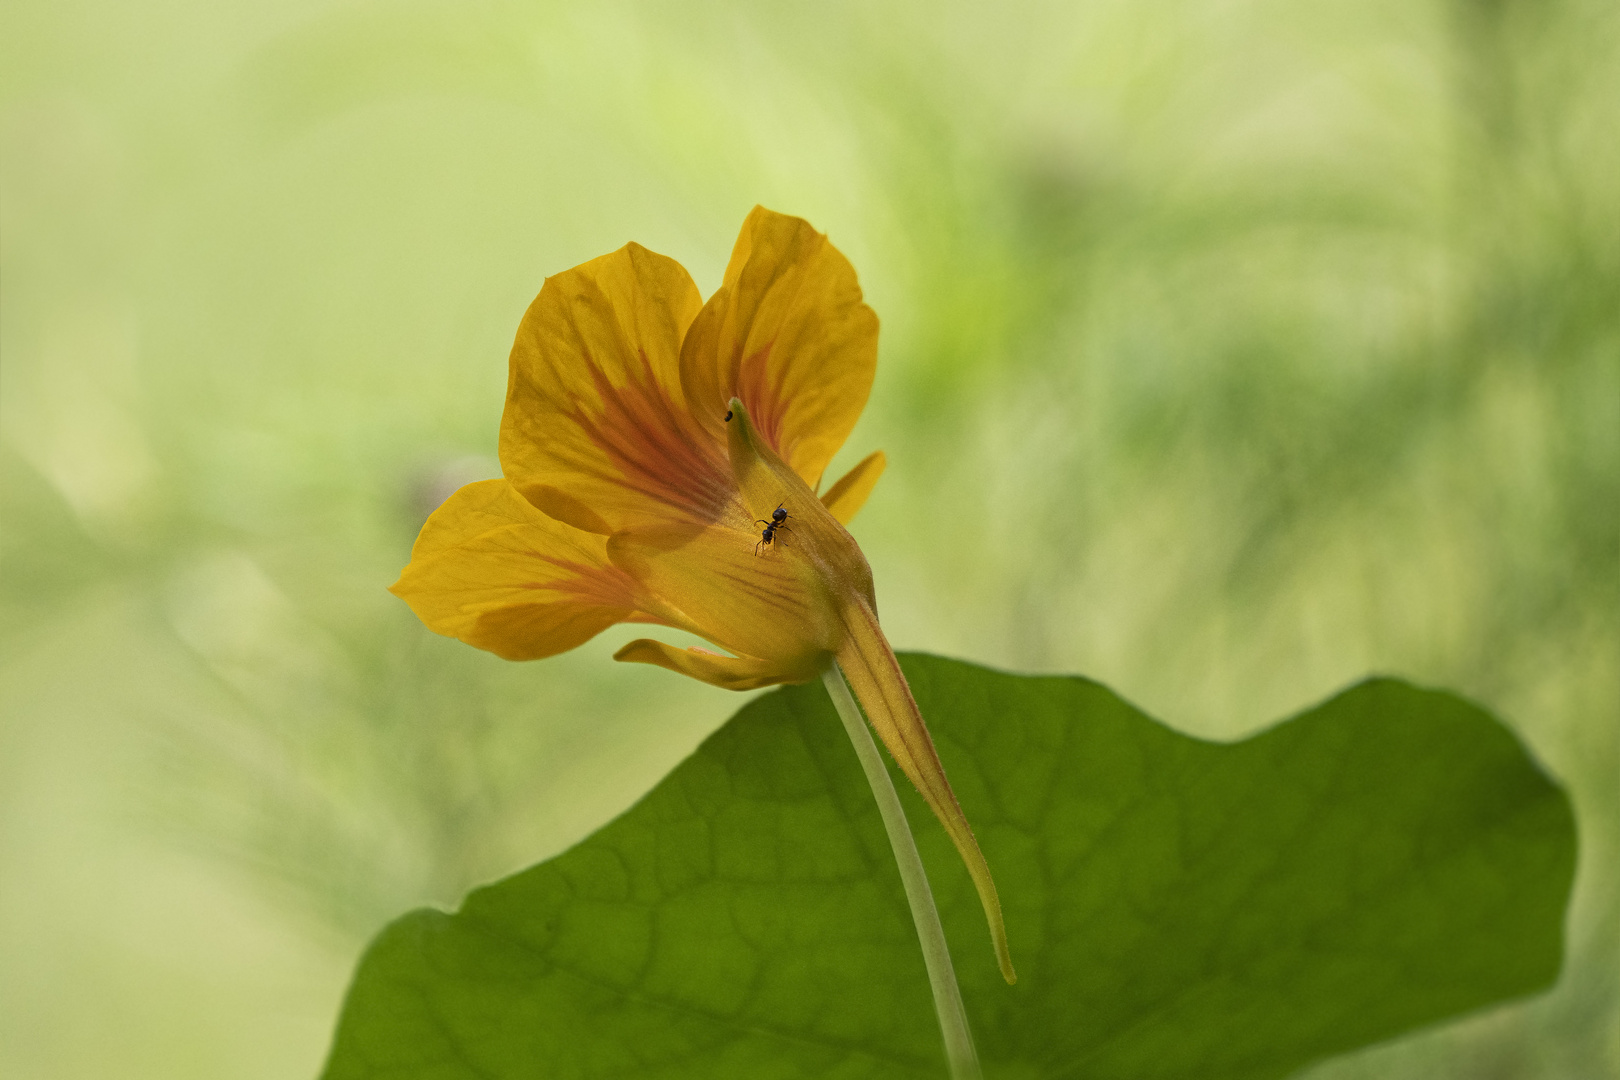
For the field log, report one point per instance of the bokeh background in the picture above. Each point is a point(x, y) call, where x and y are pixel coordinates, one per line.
point(1232, 350)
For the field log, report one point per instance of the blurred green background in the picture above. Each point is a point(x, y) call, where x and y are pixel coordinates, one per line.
point(1231, 351)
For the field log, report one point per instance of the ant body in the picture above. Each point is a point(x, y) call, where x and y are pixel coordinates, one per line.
point(768, 536)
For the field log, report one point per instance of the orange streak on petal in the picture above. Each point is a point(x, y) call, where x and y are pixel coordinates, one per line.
point(648, 438)
point(607, 586)
point(765, 405)
point(597, 430)
point(788, 333)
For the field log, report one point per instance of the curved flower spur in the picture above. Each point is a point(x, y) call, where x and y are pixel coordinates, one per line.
point(646, 433)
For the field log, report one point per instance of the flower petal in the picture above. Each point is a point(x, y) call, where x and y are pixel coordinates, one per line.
point(597, 430)
point(787, 333)
point(490, 569)
point(770, 605)
point(844, 499)
point(880, 686)
point(765, 481)
point(726, 672)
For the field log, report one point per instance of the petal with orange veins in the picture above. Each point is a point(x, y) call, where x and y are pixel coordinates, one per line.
point(844, 499)
point(765, 481)
point(788, 333)
point(490, 569)
point(597, 430)
point(726, 672)
point(770, 605)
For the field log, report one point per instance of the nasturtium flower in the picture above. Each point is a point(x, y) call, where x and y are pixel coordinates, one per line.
point(647, 438)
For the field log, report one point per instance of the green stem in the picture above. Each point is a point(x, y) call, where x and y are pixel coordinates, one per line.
point(964, 1061)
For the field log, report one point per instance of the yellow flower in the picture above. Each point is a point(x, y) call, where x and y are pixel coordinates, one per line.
point(647, 442)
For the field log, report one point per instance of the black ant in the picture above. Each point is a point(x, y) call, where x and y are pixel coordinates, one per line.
point(768, 537)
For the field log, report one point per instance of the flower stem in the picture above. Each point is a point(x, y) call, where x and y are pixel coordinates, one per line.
point(959, 1052)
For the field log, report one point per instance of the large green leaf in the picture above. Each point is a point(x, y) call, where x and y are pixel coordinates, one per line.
point(1177, 908)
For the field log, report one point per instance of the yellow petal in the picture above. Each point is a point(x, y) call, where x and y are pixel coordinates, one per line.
point(772, 604)
point(597, 431)
point(844, 499)
point(880, 686)
point(788, 333)
point(727, 586)
point(765, 481)
point(726, 672)
point(490, 569)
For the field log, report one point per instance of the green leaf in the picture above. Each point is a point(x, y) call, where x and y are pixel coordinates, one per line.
point(1177, 908)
